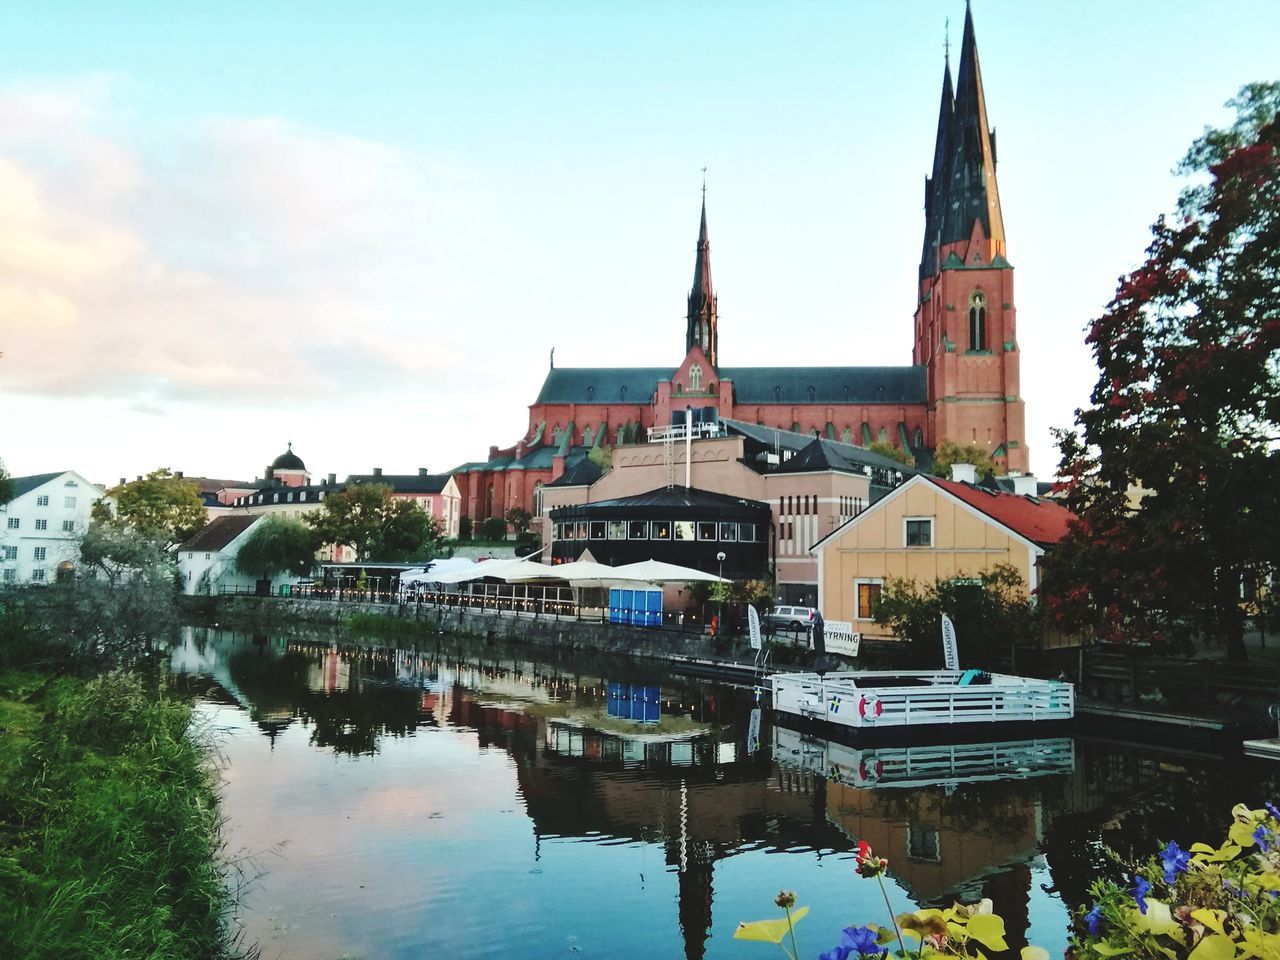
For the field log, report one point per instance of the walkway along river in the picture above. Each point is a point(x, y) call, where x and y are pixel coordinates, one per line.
point(467, 799)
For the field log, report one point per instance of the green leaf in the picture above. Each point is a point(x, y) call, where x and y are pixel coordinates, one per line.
point(1241, 833)
point(1107, 950)
point(1035, 953)
point(769, 931)
point(1214, 947)
point(1210, 918)
point(988, 930)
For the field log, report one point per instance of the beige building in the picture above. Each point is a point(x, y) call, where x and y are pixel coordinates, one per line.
point(812, 485)
point(932, 529)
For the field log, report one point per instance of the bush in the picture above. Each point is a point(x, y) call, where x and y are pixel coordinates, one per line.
point(494, 528)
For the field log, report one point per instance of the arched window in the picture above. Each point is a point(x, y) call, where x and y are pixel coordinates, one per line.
point(884, 435)
point(537, 499)
point(918, 440)
point(695, 377)
point(978, 321)
point(811, 394)
point(622, 393)
point(587, 437)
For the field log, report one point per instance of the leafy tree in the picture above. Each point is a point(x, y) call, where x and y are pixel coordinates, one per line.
point(380, 527)
point(992, 612)
point(949, 452)
point(602, 457)
point(1174, 468)
point(464, 528)
point(493, 528)
point(161, 506)
point(277, 545)
point(6, 484)
point(115, 553)
point(519, 518)
point(887, 449)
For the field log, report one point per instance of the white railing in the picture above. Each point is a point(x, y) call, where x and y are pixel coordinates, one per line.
point(699, 431)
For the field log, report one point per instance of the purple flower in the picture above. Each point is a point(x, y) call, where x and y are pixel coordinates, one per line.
point(1141, 887)
point(1271, 809)
point(836, 953)
point(1175, 861)
point(1263, 836)
point(863, 940)
point(1093, 919)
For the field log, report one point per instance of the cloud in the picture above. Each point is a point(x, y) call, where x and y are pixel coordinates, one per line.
point(229, 259)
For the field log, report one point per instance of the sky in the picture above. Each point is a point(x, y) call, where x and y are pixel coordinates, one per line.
point(361, 228)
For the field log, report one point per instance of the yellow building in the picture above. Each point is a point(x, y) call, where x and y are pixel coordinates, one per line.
point(931, 529)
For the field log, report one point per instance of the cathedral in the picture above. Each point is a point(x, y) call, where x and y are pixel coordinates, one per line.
point(962, 383)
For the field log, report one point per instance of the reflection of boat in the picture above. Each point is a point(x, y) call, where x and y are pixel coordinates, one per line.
point(572, 739)
point(875, 700)
point(922, 766)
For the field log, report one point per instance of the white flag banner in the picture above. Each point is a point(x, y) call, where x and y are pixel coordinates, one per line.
point(950, 655)
point(753, 627)
point(753, 731)
point(841, 640)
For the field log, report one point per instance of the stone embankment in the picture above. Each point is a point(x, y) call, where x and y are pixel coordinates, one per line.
point(281, 613)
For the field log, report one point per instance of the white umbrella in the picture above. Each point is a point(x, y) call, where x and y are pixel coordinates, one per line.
point(657, 571)
point(436, 570)
point(574, 572)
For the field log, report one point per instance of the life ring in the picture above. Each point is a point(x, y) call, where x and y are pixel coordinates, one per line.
point(869, 708)
point(870, 773)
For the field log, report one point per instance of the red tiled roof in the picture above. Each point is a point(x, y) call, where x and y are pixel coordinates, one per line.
point(1040, 521)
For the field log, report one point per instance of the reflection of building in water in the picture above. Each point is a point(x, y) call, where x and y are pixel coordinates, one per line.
point(331, 673)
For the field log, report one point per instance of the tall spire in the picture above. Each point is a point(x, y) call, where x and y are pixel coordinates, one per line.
point(701, 328)
point(962, 188)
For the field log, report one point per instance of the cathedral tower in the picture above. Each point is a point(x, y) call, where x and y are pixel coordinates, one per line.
point(701, 329)
point(965, 333)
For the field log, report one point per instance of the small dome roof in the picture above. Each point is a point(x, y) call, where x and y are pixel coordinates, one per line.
point(288, 461)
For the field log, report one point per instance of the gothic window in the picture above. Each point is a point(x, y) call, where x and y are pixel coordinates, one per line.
point(587, 436)
point(918, 440)
point(978, 321)
point(695, 377)
point(846, 435)
point(537, 499)
point(884, 435)
point(811, 395)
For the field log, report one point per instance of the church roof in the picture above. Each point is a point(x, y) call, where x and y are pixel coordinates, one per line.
point(582, 474)
point(750, 384)
point(288, 461)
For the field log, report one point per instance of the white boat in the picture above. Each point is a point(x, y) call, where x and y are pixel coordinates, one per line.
point(946, 765)
point(879, 700)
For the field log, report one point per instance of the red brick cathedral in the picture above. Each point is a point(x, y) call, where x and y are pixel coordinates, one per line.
point(962, 384)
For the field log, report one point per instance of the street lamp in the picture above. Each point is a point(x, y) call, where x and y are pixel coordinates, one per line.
point(720, 602)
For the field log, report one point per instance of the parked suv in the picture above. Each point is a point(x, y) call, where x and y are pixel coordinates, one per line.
point(790, 618)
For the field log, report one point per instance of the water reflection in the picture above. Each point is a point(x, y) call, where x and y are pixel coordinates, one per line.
point(584, 800)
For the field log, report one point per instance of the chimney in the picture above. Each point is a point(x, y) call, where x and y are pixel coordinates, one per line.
point(964, 473)
point(423, 472)
point(123, 481)
point(268, 473)
point(377, 471)
point(1025, 484)
point(178, 474)
point(333, 479)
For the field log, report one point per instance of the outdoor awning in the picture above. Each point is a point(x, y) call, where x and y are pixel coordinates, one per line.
point(657, 571)
point(499, 569)
point(436, 570)
point(576, 572)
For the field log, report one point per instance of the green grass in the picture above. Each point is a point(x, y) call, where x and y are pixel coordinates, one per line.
point(109, 825)
point(378, 625)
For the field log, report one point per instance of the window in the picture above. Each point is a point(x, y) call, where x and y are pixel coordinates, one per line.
point(42, 524)
point(683, 529)
point(42, 501)
point(11, 553)
point(868, 595)
point(580, 530)
point(922, 843)
point(290, 497)
point(617, 529)
point(597, 530)
point(40, 553)
point(746, 532)
point(918, 531)
point(660, 530)
point(638, 530)
point(37, 574)
point(978, 321)
point(68, 526)
point(69, 502)
point(10, 575)
point(728, 532)
point(695, 377)
point(13, 523)
point(706, 530)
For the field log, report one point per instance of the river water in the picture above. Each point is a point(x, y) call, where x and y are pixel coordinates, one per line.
point(463, 800)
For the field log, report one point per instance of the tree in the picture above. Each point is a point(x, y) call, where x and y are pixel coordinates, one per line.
point(6, 484)
point(993, 612)
point(464, 528)
point(519, 518)
point(493, 528)
point(949, 452)
point(115, 553)
point(369, 518)
point(1173, 470)
point(162, 506)
point(887, 449)
point(277, 545)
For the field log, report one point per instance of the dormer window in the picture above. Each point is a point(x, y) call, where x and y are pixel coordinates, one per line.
point(695, 377)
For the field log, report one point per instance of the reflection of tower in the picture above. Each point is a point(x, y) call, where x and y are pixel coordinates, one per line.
point(694, 863)
point(1010, 891)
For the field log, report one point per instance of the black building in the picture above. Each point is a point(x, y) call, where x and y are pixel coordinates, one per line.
point(681, 525)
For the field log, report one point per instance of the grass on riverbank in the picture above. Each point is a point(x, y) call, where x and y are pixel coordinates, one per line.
point(108, 824)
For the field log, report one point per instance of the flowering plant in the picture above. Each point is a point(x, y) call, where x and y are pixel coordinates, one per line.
point(1204, 903)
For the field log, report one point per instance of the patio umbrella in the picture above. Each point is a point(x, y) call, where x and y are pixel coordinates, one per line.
point(575, 572)
point(658, 571)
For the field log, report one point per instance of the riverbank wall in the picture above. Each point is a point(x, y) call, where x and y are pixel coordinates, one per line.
point(275, 613)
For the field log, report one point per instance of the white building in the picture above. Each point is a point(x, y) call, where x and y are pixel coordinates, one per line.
point(207, 561)
point(41, 525)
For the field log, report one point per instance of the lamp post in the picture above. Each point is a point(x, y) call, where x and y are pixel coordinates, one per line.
point(720, 602)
